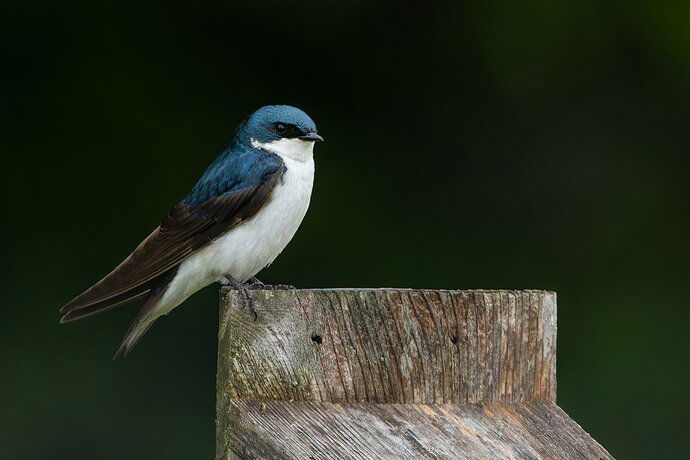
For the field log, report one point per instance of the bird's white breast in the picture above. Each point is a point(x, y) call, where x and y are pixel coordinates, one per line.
point(246, 249)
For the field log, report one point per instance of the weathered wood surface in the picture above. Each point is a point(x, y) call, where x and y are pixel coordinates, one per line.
point(321, 372)
point(302, 430)
point(391, 346)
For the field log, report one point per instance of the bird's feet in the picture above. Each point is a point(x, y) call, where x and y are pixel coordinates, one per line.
point(281, 287)
point(255, 283)
point(247, 302)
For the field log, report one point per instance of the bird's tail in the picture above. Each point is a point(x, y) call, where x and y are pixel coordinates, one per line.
point(145, 318)
point(72, 313)
point(134, 334)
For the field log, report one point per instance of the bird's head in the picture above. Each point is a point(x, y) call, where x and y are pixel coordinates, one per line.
point(281, 129)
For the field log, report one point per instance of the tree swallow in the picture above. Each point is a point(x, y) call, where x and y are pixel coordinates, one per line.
point(239, 216)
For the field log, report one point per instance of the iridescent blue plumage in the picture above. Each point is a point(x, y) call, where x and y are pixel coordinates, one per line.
point(235, 168)
point(240, 165)
point(236, 220)
point(260, 124)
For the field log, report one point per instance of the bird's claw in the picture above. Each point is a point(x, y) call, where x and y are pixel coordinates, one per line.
point(228, 283)
point(281, 287)
point(255, 280)
point(255, 283)
point(269, 287)
point(255, 286)
point(247, 302)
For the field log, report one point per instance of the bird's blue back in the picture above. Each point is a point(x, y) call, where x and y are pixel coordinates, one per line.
point(237, 167)
point(240, 165)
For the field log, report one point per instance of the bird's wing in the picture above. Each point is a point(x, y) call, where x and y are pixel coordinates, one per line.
point(190, 226)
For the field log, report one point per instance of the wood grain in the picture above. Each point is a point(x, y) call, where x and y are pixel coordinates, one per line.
point(392, 373)
point(304, 430)
point(390, 346)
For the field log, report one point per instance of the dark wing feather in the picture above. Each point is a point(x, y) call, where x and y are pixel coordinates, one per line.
point(186, 229)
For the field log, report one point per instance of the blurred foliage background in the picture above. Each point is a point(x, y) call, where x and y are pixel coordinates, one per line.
point(488, 144)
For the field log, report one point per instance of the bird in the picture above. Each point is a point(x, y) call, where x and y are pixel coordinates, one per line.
point(235, 221)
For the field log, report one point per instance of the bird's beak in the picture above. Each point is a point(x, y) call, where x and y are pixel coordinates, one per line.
point(313, 137)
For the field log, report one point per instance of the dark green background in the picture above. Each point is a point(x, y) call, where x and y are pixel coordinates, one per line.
point(487, 145)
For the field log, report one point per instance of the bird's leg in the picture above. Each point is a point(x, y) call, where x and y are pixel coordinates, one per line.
point(254, 283)
point(244, 293)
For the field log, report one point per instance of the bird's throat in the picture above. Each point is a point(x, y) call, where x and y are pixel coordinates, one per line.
point(294, 149)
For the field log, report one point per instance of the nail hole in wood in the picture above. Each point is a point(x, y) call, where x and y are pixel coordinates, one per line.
point(316, 338)
point(454, 339)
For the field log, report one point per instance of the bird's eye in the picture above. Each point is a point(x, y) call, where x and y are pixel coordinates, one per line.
point(280, 128)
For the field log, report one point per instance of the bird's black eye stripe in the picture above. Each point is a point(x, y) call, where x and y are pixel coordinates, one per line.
point(287, 130)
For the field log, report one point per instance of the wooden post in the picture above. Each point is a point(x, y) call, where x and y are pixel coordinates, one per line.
point(392, 373)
